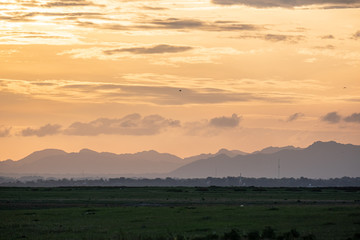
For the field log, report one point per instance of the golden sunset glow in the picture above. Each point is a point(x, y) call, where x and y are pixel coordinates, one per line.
point(183, 77)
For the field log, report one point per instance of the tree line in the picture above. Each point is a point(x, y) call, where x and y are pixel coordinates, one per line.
point(178, 182)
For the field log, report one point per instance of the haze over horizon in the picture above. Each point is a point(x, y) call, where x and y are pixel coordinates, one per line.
point(178, 77)
point(323, 160)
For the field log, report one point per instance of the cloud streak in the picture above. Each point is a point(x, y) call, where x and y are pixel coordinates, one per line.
point(275, 37)
point(158, 49)
point(225, 122)
point(70, 3)
point(5, 131)
point(177, 24)
point(133, 124)
point(356, 35)
point(47, 130)
point(324, 4)
point(294, 117)
point(353, 118)
point(332, 117)
point(161, 91)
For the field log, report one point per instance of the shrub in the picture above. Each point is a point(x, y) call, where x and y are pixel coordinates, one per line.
point(268, 233)
point(254, 235)
point(232, 235)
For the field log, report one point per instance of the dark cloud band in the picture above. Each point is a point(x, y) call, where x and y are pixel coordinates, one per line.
point(158, 49)
point(326, 4)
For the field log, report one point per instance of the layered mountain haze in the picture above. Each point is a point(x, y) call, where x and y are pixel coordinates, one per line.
point(230, 153)
point(88, 162)
point(319, 160)
point(269, 150)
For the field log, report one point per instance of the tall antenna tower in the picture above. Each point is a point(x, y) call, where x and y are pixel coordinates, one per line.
point(279, 168)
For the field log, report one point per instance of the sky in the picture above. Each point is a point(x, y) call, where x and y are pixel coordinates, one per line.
point(182, 77)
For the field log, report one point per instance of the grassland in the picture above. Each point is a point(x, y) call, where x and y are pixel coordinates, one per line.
point(176, 213)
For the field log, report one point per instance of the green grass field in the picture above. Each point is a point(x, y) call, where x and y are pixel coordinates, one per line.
point(176, 213)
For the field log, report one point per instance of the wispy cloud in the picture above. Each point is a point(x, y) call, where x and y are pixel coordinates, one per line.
point(212, 127)
point(332, 52)
point(49, 129)
point(324, 4)
point(177, 24)
point(154, 90)
point(330, 36)
point(133, 124)
point(275, 37)
point(356, 35)
point(295, 117)
point(173, 55)
point(226, 122)
point(4, 131)
point(70, 3)
point(353, 118)
point(158, 49)
point(332, 117)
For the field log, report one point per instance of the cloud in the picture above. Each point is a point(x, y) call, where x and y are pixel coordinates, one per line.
point(70, 3)
point(49, 129)
point(331, 51)
point(276, 37)
point(211, 127)
point(18, 17)
point(332, 117)
point(153, 8)
point(158, 49)
point(282, 37)
point(175, 24)
point(153, 90)
point(26, 16)
point(194, 54)
point(355, 118)
point(356, 35)
point(327, 47)
point(225, 122)
point(5, 131)
point(328, 37)
point(133, 124)
point(325, 4)
point(294, 117)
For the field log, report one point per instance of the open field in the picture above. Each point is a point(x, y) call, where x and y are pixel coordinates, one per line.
point(154, 213)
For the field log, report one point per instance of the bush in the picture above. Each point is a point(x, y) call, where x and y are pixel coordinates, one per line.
point(309, 237)
point(293, 234)
point(254, 235)
point(268, 233)
point(232, 235)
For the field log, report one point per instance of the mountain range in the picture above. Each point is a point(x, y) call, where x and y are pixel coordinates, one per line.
point(319, 160)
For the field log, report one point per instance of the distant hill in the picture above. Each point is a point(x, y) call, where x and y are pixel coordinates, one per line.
point(319, 160)
point(229, 153)
point(88, 162)
point(270, 150)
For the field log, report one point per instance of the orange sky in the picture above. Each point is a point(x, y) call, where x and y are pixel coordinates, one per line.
point(107, 75)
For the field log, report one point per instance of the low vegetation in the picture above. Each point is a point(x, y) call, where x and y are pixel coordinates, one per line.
point(179, 213)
